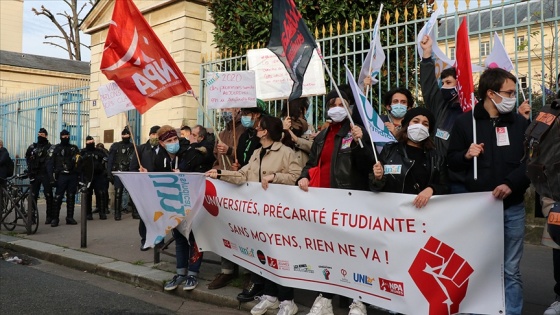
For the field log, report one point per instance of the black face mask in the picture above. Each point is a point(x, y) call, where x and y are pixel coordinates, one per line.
point(90, 146)
point(42, 140)
point(64, 141)
point(449, 94)
point(126, 140)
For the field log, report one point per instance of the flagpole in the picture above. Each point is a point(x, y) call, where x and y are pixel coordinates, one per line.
point(475, 161)
point(134, 144)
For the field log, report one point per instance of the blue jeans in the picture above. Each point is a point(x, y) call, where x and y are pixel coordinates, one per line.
point(188, 256)
point(514, 230)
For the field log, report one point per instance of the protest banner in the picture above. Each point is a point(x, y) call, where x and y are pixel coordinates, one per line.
point(273, 81)
point(113, 99)
point(164, 200)
point(231, 89)
point(375, 247)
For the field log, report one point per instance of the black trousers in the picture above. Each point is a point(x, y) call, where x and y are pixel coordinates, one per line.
point(556, 268)
point(281, 292)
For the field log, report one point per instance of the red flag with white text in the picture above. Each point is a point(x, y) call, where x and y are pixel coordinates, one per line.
point(463, 65)
point(137, 61)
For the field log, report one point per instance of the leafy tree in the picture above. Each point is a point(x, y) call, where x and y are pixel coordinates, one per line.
point(68, 27)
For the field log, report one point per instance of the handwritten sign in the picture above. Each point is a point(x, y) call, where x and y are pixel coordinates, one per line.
point(114, 100)
point(231, 89)
point(274, 82)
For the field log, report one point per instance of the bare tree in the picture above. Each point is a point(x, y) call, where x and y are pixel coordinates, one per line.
point(68, 27)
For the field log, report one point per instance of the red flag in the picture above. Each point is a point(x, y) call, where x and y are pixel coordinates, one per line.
point(463, 65)
point(291, 41)
point(137, 61)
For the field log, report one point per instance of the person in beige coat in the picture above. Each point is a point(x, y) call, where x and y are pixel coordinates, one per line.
point(272, 163)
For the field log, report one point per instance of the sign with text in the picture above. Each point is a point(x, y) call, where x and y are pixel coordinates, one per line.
point(274, 82)
point(231, 89)
point(113, 99)
point(375, 247)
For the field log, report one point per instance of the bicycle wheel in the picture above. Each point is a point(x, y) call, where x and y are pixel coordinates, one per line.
point(32, 226)
point(9, 212)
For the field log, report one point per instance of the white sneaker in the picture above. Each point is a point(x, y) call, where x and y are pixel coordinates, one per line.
point(267, 302)
point(554, 309)
point(321, 306)
point(357, 308)
point(288, 307)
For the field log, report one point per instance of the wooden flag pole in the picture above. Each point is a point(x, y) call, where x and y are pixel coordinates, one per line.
point(134, 145)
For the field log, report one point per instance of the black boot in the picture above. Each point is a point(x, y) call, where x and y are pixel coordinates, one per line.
point(118, 203)
point(70, 202)
point(106, 194)
point(89, 212)
point(56, 210)
point(102, 205)
point(135, 214)
point(50, 205)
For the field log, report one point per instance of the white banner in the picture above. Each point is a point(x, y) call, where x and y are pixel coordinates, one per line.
point(113, 99)
point(165, 200)
point(231, 89)
point(273, 81)
point(375, 247)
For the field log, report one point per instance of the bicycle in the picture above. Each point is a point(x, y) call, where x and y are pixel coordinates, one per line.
point(15, 201)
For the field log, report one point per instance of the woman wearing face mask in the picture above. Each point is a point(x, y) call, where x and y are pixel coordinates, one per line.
point(397, 101)
point(274, 163)
point(412, 165)
point(167, 160)
point(296, 127)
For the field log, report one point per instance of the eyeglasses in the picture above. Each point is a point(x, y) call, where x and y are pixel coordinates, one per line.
point(511, 93)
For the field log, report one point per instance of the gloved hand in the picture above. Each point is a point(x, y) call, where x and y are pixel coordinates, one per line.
point(111, 178)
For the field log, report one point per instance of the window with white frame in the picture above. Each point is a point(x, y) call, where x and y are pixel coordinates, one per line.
point(523, 82)
point(520, 43)
point(452, 53)
point(484, 49)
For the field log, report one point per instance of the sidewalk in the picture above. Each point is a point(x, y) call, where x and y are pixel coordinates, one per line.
point(113, 251)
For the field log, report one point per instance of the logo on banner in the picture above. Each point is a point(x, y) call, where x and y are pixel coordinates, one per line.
point(209, 195)
point(304, 268)
point(272, 262)
point(246, 251)
point(226, 243)
point(326, 271)
point(283, 265)
point(391, 286)
point(261, 256)
point(363, 279)
point(343, 272)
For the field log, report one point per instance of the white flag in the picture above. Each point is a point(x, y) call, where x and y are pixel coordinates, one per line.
point(375, 127)
point(498, 58)
point(375, 57)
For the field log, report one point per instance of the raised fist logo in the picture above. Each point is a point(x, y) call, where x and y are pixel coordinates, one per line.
point(326, 273)
point(442, 276)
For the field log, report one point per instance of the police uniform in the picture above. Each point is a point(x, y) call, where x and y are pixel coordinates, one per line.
point(93, 168)
point(63, 167)
point(36, 157)
point(120, 155)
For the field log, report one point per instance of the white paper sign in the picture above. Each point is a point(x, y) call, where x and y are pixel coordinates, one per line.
point(274, 82)
point(231, 89)
point(114, 100)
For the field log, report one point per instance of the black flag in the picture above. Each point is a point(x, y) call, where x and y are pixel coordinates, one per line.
point(291, 41)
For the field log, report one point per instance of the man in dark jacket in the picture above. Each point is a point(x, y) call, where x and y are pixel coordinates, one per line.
point(36, 157)
point(198, 156)
point(93, 169)
point(4, 157)
point(120, 155)
point(501, 169)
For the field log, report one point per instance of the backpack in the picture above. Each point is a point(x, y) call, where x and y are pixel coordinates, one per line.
point(542, 139)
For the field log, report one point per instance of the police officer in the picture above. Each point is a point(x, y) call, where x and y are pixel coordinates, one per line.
point(36, 157)
point(120, 155)
point(94, 172)
point(62, 167)
point(101, 147)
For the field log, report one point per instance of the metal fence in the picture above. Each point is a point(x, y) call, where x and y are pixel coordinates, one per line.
point(529, 28)
point(54, 108)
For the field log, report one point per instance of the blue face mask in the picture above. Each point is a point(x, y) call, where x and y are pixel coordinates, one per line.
point(172, 147)
point(398, 110)
point(247, 121)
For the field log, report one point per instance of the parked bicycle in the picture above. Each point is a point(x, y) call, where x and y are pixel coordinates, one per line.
point(18, 206)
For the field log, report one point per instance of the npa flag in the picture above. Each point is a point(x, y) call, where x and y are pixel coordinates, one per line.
point(291, 41)
point(465, 85)
point(498, 58)
point(375, 127)
point(375, 56)
point(137, 61)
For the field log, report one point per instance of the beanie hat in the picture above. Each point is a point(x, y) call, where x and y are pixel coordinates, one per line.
point(125, 131)
point(417, 111)
point(334, 95)
point(43, 130)
point(64, 133)
point(89, 138)
point(154, 129)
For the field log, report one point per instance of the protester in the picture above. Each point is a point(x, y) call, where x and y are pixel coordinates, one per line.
point(272, 163)
point(93, 169)
point(397, 101)
point(185, 132)
point(62, 169)
point(248, 140)
point(296, 127)
point(36, 157)
point(101, 147)
point(120, 154)
point(198, 156)
point(337, 160)
point(500, 166)
point(4, 157)
point(416, 166)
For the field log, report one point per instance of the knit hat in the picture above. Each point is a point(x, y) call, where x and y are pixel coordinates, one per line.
point(89, 138)
point(417, 111)
point(125, 131)
point(334, 95)
point(154, 129)
point(43, 130)
point(64, 133)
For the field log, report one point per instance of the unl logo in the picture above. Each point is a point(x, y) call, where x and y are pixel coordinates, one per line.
point(272, 262)
point(442, 276)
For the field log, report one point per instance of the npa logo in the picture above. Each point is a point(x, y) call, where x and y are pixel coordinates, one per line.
point(391, 286)
point(304, 268)
point(261, 256)
point(226, 243)
point(272, 262)
point(343, 272)
point(363, 279)
point(245, 251)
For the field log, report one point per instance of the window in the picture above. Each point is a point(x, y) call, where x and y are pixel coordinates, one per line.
point(452, 53)
point(520, 43)
point(523, 82)
point(484, 49)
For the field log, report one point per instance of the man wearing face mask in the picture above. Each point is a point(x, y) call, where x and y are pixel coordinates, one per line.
point(248, 140)
point(120, 154)
point(501, 167)
point(36, 157)
point(62, 168)
point(93, 172)
point(223, 150)
point(397, 101)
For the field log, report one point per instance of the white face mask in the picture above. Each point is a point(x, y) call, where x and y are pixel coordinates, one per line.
point(417, 132)
point(337, 114)
point(506, 105)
